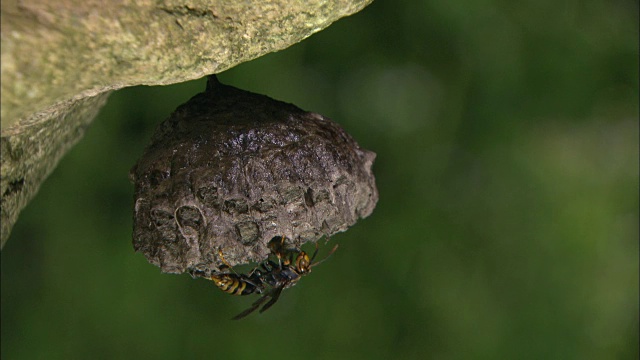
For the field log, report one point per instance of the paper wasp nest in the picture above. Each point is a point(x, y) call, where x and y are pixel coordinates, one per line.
point(229, 170)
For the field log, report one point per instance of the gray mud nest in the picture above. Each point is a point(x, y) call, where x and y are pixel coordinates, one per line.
point(230, 170)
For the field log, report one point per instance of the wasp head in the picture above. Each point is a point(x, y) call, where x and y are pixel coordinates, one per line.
point(303, 263)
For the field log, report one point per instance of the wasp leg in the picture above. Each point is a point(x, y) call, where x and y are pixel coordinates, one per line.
point(223, 259)
point(257, 283)
point(268, 265)
point(274, 297)
point(253, 307)
point(225, 262)
point(276, 245)
point(250, 275)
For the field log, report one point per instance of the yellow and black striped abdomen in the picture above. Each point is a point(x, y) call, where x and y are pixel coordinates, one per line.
point(233, 284)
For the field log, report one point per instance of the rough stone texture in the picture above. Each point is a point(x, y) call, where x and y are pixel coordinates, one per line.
point(58, 55)
point(230, 169)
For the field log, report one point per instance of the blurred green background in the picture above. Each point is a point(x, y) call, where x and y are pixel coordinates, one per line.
point(507, 226)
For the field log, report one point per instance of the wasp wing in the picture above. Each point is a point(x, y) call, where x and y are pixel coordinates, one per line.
point(253, 307)
point(275, 295)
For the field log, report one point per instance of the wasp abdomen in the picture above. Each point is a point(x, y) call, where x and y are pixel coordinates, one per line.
point(234, 284)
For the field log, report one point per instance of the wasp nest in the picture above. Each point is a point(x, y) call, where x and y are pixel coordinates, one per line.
point(229, 170)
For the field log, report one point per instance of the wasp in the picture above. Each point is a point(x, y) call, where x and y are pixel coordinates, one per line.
point(272, 278)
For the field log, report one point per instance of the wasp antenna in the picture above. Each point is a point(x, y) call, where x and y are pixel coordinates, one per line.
point(325, 258)
point(314, 253)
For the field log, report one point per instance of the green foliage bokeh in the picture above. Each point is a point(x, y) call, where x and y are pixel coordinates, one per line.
point(507, 226)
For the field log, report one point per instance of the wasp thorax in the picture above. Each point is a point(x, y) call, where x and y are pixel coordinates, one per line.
point(230, 170)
